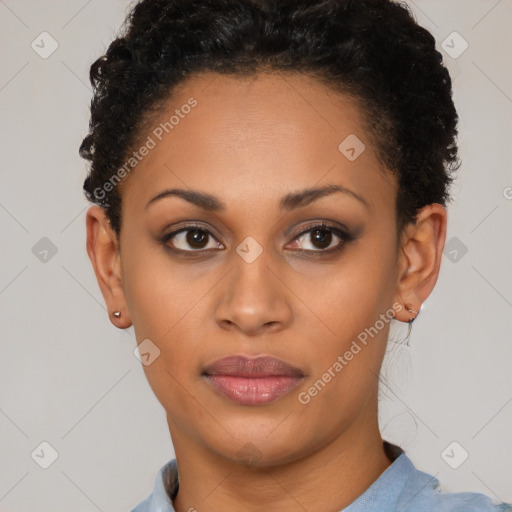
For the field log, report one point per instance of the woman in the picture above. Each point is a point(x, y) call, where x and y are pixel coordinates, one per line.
point(270, 181)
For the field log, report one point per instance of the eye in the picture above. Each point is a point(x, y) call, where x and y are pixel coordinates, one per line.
point(194, 237)
point(322, 238)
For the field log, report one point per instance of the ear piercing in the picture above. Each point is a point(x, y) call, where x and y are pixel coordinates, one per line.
point(412, 311)
point(117, 314)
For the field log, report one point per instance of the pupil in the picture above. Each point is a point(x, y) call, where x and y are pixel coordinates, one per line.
point(324, 240)
point(195, 237)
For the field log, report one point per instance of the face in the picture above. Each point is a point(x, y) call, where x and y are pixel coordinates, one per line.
point(255, 265)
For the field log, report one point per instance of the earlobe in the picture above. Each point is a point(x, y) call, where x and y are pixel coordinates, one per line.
point(420, 259)
point(103, 250)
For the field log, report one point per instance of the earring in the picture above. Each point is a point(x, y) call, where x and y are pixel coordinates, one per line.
point(412, 311)
point(410, 322)
point(117, 314)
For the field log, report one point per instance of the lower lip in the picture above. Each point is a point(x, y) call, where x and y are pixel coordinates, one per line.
point(253, 390)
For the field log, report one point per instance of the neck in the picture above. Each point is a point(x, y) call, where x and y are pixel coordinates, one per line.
point(329, 479)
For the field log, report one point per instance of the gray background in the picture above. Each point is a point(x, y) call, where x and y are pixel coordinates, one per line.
point(68, 377)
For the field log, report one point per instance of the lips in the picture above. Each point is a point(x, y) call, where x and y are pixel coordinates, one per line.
point(252, 380)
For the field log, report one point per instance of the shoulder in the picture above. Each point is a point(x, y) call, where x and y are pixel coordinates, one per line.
point(422, 493)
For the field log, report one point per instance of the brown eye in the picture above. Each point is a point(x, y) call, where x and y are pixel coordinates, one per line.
point(322, 238)
point(190, 239)
point(197, 238)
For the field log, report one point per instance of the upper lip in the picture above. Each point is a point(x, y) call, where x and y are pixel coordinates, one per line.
point(249, 366)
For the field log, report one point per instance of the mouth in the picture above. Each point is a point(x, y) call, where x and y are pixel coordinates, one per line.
point(252, 380)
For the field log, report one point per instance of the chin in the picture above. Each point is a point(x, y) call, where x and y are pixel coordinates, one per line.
point(259, 445)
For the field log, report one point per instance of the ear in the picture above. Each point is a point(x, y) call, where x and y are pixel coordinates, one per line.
point(420, 259)
point(104, 252)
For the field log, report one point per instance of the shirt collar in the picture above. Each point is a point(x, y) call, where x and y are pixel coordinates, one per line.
point(384, 494)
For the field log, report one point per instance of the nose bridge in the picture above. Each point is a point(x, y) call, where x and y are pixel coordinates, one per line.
point(252, 296)
point(251, 281)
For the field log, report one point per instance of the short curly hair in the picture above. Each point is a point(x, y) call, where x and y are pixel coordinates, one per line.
point(372, 50)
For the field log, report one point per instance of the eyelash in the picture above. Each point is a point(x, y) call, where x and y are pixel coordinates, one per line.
point(342, 235)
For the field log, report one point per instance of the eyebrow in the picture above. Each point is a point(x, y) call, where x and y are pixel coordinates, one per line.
point(288, 202)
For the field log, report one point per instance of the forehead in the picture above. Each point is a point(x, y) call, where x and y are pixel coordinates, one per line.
point(257, 137)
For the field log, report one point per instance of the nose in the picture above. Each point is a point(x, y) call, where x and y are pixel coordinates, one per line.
point(254, 299)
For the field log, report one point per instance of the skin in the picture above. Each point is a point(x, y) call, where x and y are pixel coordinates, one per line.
point(249, 142)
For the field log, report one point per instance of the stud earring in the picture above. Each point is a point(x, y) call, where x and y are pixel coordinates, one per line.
point(412, 311)
point(117, 314)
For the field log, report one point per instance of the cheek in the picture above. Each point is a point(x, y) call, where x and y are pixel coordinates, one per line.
point(158, 291)
point(162, 301)
point(167, 305)
point(354, 336)
point(344, 298)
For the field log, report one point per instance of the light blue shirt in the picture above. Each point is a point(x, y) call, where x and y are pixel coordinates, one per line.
point(400, 488)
